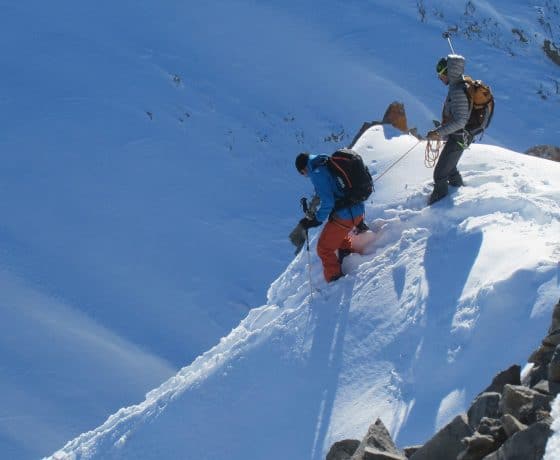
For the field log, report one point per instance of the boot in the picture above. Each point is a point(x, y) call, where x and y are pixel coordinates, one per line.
point(361, 227)
point(336, 277)
point(342, 253)
point(440, 191)
point(456, 180)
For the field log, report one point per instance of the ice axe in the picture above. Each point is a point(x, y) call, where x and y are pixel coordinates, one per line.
point(447, 36)
point(305, 207)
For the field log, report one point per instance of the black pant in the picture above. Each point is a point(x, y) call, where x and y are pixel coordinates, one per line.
point(446, 167)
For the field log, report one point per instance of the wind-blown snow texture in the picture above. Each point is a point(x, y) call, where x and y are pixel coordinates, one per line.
point(147, 172)
point(411, 335)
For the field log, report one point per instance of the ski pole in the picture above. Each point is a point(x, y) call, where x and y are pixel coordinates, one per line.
point(305, 208)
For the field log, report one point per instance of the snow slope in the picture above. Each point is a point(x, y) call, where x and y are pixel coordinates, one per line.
point(147, 153)
point(553, 446)
point(411, 335)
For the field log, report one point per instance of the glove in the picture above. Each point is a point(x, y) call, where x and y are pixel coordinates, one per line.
point(297, 237)
point(309, 223)
point(433, 136)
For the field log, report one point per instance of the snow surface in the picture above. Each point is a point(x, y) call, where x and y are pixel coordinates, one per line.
point(411, 335)
point(147, 182)
point(553, 445)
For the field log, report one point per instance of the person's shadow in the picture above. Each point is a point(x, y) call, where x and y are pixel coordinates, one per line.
point(448, 261)
point(325, 360)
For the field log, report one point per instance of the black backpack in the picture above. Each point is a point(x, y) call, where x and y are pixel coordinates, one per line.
point(352, 176)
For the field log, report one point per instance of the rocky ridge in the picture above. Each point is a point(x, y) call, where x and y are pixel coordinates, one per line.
point(509, 420)
point(549, 152)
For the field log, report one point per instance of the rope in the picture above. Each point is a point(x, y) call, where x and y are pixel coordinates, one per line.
point(395, 162)
point(309, 265)
point(431, 154)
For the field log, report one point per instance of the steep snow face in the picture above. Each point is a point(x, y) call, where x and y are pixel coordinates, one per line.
point(147, 170)
point(414, 331)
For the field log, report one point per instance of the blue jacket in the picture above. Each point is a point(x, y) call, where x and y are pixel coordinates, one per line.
point(328, 191)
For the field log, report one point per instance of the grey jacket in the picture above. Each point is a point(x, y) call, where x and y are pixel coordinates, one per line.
point(456, 110)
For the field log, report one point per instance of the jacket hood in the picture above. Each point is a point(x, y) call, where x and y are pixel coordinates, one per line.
point(455, 68)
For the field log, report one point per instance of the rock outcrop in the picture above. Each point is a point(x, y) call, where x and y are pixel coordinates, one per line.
point(509, 420)
point(377, 445)
point(395, 115)
point(549, 152)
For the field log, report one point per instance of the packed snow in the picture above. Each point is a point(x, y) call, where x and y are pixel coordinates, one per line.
point(148, 188)
point(414, 331)
point(553, 445)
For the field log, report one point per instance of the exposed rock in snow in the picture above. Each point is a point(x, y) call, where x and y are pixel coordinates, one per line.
point(549, 152)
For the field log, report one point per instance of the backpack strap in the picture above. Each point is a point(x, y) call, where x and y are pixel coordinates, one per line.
point(340, 170)
point(467, 81)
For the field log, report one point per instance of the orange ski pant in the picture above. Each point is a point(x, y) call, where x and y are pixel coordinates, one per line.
point(335, 235)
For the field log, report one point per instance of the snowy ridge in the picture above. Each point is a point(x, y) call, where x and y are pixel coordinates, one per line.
point(437, 295)
point(105, 106)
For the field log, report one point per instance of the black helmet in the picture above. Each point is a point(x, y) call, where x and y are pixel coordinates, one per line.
point(441, 67)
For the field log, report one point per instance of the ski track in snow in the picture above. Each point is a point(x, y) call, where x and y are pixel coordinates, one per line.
point(392, 318)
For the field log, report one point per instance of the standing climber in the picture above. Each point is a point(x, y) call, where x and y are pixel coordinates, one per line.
point(456, 112)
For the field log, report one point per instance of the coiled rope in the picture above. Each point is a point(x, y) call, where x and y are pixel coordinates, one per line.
point(432, 152)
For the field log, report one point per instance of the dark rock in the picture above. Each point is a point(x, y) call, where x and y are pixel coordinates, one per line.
point(552, 339)
point(552, 51)
point(555, 314)
point(395, 115)
point(542, 355)
point(494, 428)
point(549, 152)
point(371, 453)
point(485, 405)
point(343, 450)
point(554, 366)
point(528, 444)
point(544, 416)
point(408, 451)
point(511, 376)
point(490, 422)
point(486, 424)
point(523, 402)
point(537, 374)
point(478, 446)
point(542, 387)
point(377, 440)
point(512, 425)
point(365, 126)
point(553, 389)
point(446, 444)
point(548, 388)
point(528, 415)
